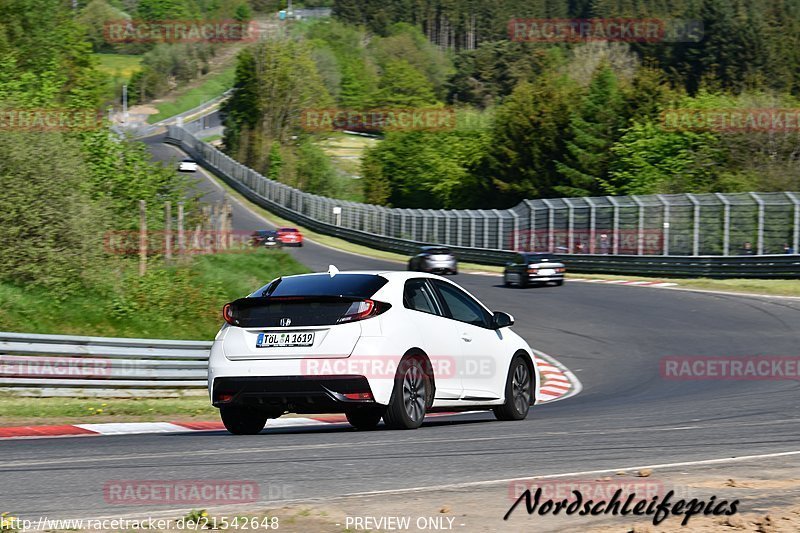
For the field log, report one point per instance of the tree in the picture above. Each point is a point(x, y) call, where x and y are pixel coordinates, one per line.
point(402, 85)
point(528, 136)
point(50, 229)
point(427, 169)
point(593, 129)
point(275, 83)
point(649, 160)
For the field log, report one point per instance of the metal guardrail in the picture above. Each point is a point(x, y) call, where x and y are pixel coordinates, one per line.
point(664, 235)
point(68, 362)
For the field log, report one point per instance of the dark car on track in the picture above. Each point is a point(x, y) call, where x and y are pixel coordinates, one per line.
point(529, 268)
point(266, 238)
point(434, 259)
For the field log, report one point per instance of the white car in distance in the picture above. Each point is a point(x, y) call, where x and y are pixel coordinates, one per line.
point(373, 345)
point(187, 165)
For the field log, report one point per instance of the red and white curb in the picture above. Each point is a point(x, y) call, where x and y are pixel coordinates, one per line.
point(557, 381)
point(138, 428)
point(626, 282)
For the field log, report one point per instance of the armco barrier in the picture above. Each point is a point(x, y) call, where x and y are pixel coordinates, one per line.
point(71, 363)
point(667, 236)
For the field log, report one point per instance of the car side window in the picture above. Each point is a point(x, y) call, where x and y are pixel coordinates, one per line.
point(520, 260)
point(461, 306)
point(417, 296)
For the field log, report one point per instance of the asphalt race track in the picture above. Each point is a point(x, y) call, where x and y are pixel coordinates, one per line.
point(611, 337)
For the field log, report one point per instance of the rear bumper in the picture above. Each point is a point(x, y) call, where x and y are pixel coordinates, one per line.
point(298, 379)
point(554, 277)
point(292, 243)
point(297, 394)
point(436, 268)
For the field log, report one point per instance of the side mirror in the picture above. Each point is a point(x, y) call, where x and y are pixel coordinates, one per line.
point(501, 320)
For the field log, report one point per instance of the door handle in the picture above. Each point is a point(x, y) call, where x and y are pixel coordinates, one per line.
point(466, 338)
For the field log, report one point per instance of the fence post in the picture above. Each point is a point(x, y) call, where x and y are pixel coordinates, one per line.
point(696, 236)
point(640, 230)
point(592, 223)
point(499, 229)
point(550, 222)
point(168, 231)
point(570, 225)
point(485, 229)
point(665, 234)
point(726, 223)
point(515, 230)
point(142, 237)
point(181, 236)
point(473, 231)
point(616, 224)
point(760, 202)
point(796, 236)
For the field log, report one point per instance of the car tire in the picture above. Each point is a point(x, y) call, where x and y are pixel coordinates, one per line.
point(524, 282)
point(365, 418)
point(559, 283)
point(407, 405)
point(519, 391)
point(241, 421)
point(506, 282)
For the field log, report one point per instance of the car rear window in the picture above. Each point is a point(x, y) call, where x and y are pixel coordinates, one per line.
point(354, 285)
point(532, 258)
point(438, 251)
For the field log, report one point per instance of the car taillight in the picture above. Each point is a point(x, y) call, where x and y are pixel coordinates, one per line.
point(227, 314)
point(363, 309)
point(532, 271)
point(362, 396)
point(560, 269)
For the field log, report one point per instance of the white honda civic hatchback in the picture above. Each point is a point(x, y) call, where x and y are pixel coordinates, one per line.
point(372, 345)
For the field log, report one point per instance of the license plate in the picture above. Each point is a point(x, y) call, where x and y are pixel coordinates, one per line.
point(285, 339)
point(547, 272)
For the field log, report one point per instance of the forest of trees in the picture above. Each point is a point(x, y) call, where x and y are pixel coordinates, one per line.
point(63, 190)
point(555, 119)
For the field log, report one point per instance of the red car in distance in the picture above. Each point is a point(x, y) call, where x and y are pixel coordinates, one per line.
point(290, 237)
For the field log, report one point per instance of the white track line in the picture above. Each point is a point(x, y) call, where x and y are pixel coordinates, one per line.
point(661, 466)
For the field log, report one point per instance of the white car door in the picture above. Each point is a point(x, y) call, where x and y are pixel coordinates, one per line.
point(439, 336)
point(483, 375)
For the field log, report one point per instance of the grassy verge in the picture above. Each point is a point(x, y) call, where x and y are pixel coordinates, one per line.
point(119, 66)
point(38, 411)
point(176, 302)
point(773, 287)
point(213, 86)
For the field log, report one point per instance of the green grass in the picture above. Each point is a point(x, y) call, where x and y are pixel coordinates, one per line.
point(36, 411)
point(169, 303)
point(211, 138)
point(213, 86)
point(119, 66)
point(773, 287)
